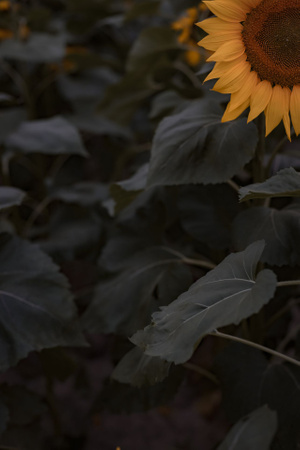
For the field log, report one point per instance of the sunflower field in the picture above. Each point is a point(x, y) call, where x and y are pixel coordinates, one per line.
point(150, 225)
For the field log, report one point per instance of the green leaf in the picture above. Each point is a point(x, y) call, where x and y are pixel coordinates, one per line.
point(150, 45)
point(36, 309)
point(124, 303)
point(85, 194)
point(226, 295)
point(10, 120)
point(10, 196)
point(53, 136)
point(193, 146)
point(38, 48)
point(254, 432)
point(279, 229)
point(286, 183)
point(138, 369)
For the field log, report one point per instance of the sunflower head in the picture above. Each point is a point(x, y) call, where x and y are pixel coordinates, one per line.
point(256, 45)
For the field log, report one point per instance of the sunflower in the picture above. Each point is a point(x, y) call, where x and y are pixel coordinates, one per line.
point(256, 45)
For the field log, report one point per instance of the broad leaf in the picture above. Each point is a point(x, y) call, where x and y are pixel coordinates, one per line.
point(10, 120)
point(254, 432)
point(138, 369)
point(53, 136)
point(36, 307)
point(279, 228)
point(286, 183)
point(226, 295)
point(124, 303)
point(10, 196)
point(193, 146)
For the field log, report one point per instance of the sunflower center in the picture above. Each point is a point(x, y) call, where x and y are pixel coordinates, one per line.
point(271, 35)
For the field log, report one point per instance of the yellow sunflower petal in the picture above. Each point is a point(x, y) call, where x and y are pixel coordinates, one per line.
point(278, 106)
point(259, 99)
point(287, 125)
point(233, 80)
point(295, 108)
point(241, 96)
point(215, 41)
point(222, 67)
point(233, 114)
point(216, 25)
point(228, 51)
point(228, 10)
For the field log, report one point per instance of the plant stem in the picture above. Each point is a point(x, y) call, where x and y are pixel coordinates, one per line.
point(288, 283)
point(202, 372)
point(234, 186)
point(258, 161)
point(199, 263)
point(257, 346)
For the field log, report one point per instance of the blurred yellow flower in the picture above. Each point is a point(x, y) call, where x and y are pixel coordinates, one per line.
point(185, 25)
point(256, 45)
point(5, 34)
point(4, 5)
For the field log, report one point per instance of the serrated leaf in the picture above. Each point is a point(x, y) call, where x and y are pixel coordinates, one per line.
point(279, 228)
point(10, 196)
point(138, 369)
point(52, 136)
point(254, 432)
point(193, 146)
point(124, 303)
point(36, 306)
point(286, 183)
point(151, 43)
point(226, 295)
point(38, 48)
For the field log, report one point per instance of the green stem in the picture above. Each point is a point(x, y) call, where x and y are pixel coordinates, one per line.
point(257, 346)
point(288, 283)
point(202, 372)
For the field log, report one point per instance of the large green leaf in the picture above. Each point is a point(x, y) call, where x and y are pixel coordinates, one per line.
point(193, 146)
point(286, 183)
point(226, 295)
point(53, 136)
point(254, 432)
point(138, 369)
point(36, 307)
point(124, 303)
point(280, 229)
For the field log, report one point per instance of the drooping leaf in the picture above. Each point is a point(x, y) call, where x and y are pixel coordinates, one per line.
point(193, 146)
point(52, 136)
point(280, 389)
point(124, 303)
point(10, 120)
point(36, 306)
point(286, 183)
point(226, 295)
point(38, 48)
point(138, 369)
point(152, 42)
point(10, 196)
point(279, 228)
point(254, 432)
